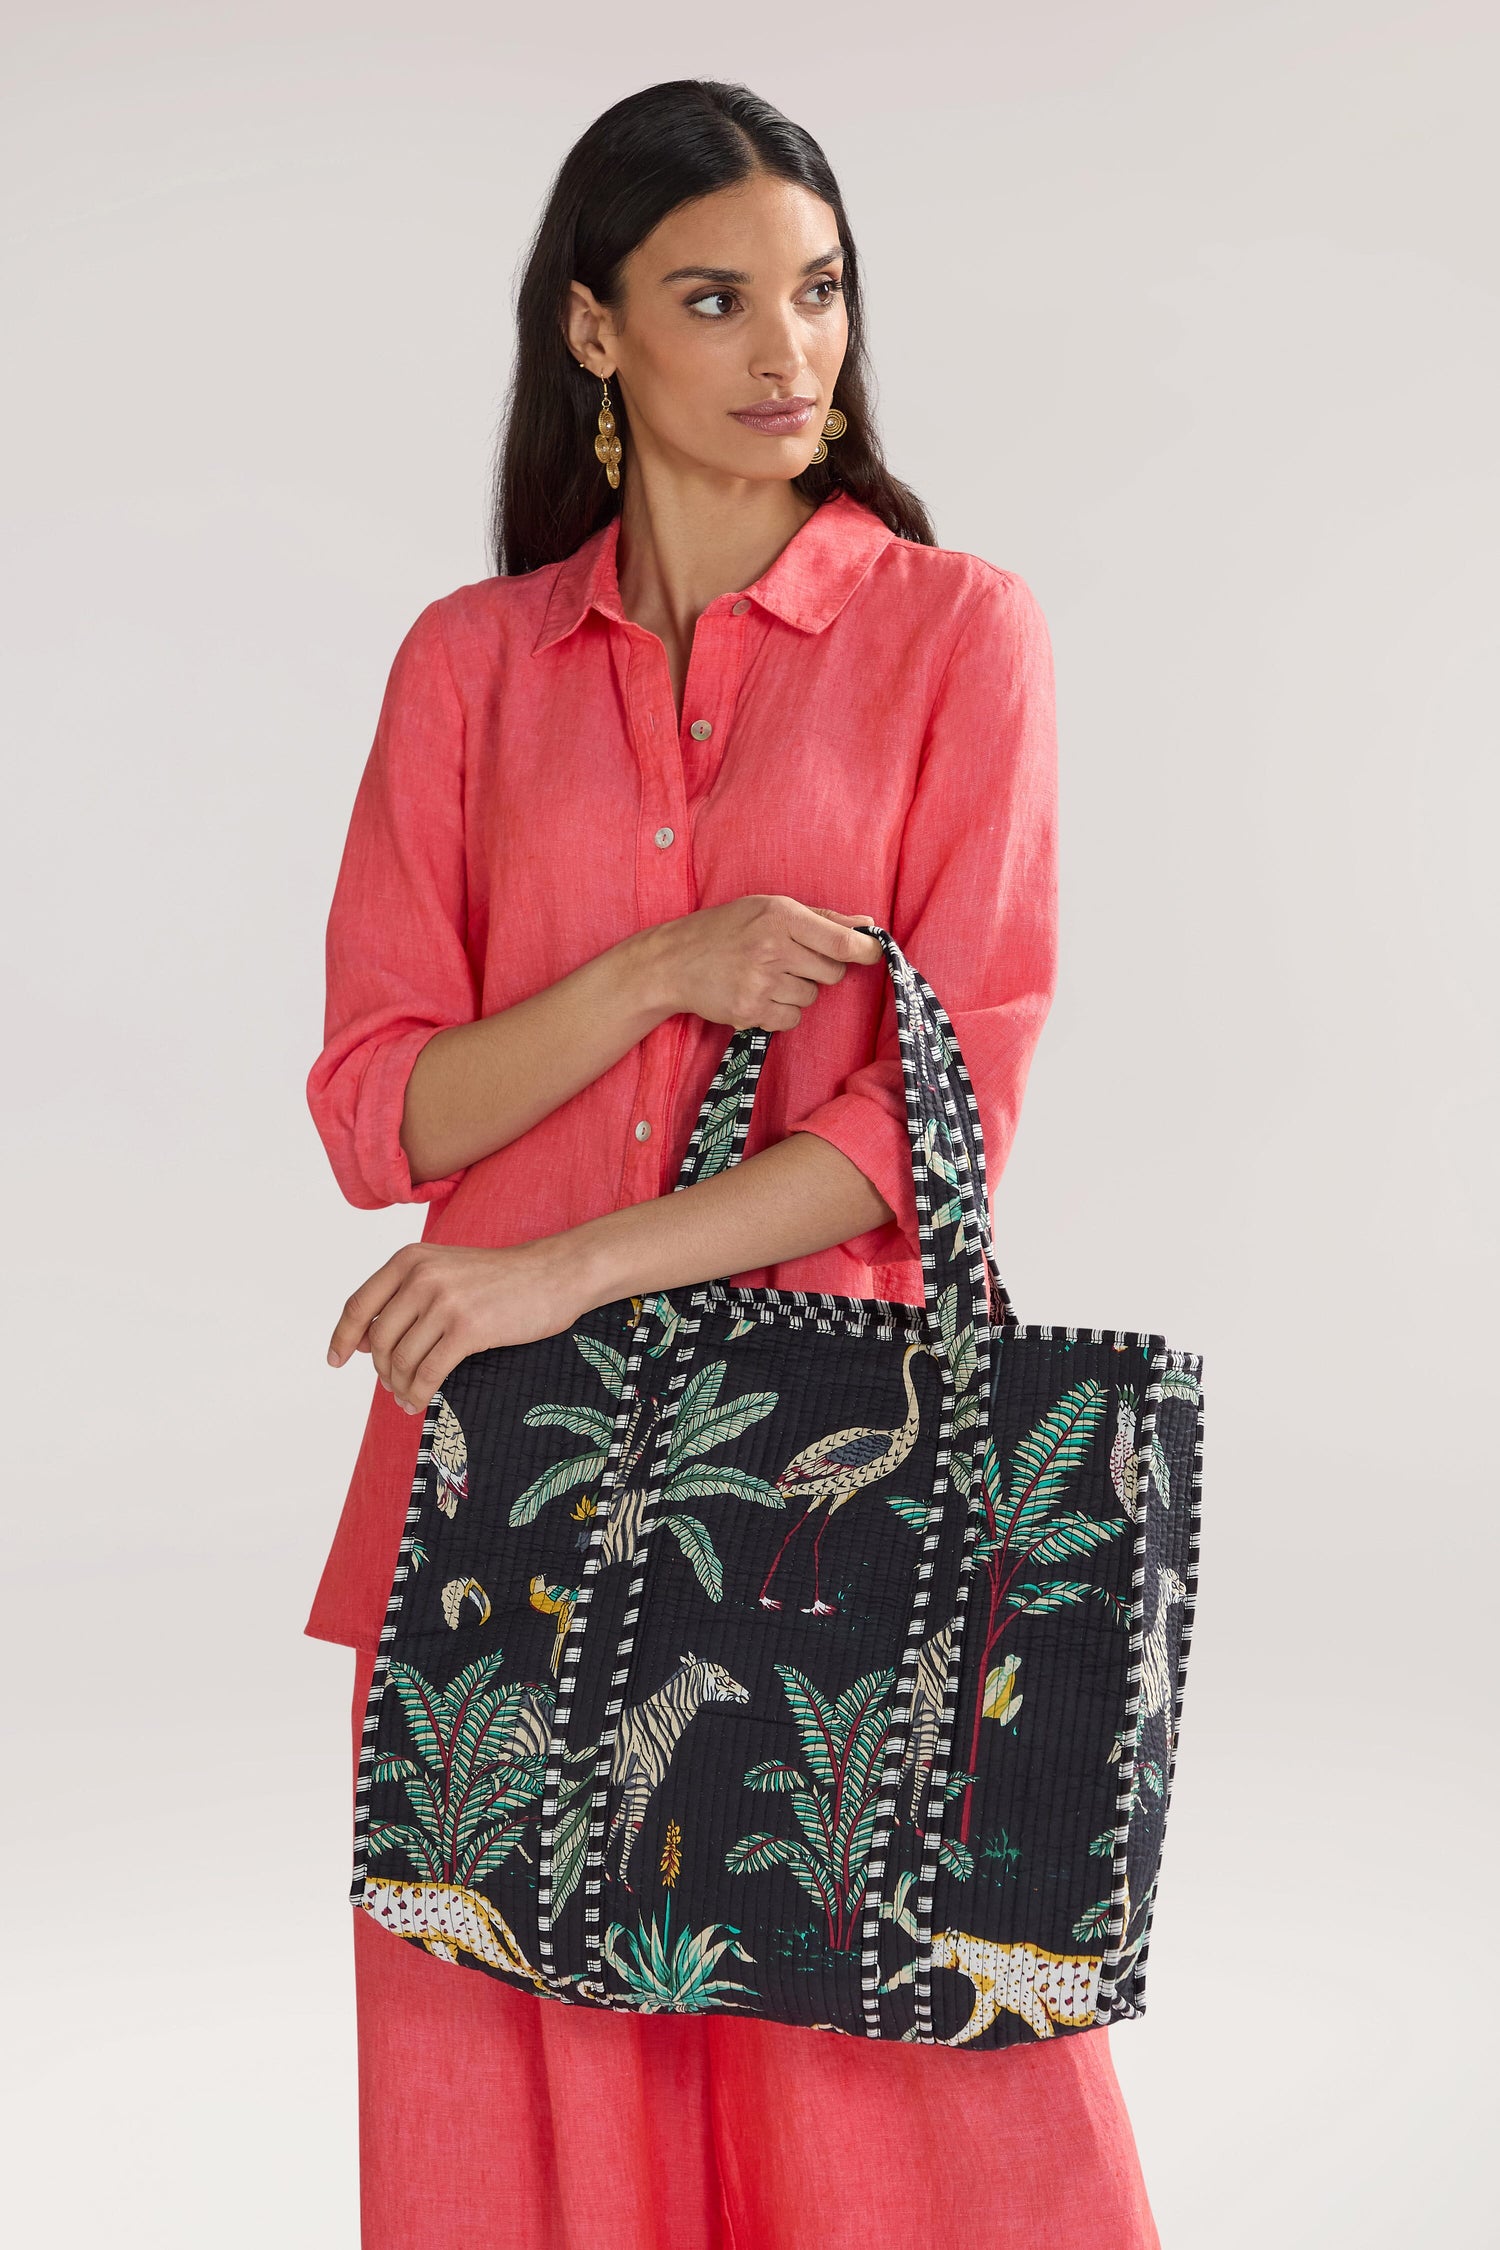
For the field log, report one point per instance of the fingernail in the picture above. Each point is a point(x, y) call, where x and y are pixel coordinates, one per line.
point(333, 1357)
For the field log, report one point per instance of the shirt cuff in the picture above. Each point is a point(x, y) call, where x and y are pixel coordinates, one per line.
point(378, 1154)
point(871, 1130)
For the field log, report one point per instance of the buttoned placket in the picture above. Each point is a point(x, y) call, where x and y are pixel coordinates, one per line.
point(678, 765)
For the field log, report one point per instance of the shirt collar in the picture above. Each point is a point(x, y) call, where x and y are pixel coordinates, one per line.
point(806, 586)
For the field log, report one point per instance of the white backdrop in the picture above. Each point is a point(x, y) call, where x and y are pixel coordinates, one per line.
point(1185, 313)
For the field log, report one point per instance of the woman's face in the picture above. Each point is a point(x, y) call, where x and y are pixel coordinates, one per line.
point(730, 331)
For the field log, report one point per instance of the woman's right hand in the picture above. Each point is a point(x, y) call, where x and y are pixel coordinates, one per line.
point(757, 960)
point(475, 1087)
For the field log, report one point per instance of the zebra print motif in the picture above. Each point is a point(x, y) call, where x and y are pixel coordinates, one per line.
point(648, 1736)
point(925, 1717)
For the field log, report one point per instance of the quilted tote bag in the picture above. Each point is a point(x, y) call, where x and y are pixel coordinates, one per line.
point(805, 1657)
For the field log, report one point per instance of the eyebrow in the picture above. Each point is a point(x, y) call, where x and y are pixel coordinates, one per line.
point(734, 279)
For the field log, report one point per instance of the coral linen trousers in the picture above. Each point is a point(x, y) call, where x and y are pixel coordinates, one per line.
point(490, 2119)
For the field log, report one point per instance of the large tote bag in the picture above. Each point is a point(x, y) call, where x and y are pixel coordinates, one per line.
point(797, 1656)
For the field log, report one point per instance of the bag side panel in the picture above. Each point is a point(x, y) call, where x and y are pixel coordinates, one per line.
point(1169, 1496)
point(1023, 1906)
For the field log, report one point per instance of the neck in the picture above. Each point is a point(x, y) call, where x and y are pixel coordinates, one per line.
point(687, 537)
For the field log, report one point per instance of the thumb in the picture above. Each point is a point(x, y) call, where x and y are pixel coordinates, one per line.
point(863, 947)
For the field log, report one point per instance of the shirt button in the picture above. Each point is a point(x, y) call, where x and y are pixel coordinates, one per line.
point(700, 730)
point(643, 1130)
point(739, 609)
point(664, 837)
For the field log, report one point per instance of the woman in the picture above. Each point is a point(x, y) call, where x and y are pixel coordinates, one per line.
point(724, 700)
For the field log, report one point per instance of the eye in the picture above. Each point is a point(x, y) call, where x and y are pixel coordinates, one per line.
point(714, 306)
point(824, 290)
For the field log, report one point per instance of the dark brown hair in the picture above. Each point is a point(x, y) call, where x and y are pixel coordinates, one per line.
point(649, 154)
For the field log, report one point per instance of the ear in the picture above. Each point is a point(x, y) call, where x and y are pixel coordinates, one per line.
point(589, 330)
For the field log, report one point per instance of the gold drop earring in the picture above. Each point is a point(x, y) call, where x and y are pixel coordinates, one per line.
point(834, 427)
point(607, 443)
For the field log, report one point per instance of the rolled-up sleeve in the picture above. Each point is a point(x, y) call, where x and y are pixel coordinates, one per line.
point(398, 969)
point(975, 903)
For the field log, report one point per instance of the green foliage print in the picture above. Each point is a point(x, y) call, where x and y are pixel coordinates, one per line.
point(570, 1828)
point(1026, 1528)
point(659, 1308)
point(962, 1354)
point(717, 1138)
point(475, 1776)
point(1149, 1773)
point(664, 1975)
point(702, 1424)
point(834, 1800)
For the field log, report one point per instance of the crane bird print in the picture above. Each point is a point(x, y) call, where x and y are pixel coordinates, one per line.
point(647, 1742)
point(831, 1470)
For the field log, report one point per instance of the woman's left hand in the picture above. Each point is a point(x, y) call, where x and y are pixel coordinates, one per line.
point(433, 1303)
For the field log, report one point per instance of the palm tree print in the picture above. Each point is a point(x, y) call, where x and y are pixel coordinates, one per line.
point(473, 1782)
point(834, 1801)
point(1024, 1527)
point(701, 1425)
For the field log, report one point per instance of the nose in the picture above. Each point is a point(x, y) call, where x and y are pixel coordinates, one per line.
point(776, 348)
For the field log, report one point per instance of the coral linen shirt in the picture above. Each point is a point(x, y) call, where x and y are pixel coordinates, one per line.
point(868, 727)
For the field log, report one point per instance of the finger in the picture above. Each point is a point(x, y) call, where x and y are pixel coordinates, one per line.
point(393, 1323)
point(846, 941)
point(420, 1340)
point(794, 991)
point(433, 1370)
point(369, 1299)
point(810, 969)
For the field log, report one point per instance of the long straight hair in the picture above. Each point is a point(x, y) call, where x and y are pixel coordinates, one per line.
point(642, 159)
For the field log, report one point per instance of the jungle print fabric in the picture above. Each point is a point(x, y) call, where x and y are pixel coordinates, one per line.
point(806, 1657)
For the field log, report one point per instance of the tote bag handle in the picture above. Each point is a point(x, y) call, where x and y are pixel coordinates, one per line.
point(943, 1134)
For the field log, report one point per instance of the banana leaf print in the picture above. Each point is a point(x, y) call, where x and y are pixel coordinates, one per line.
point(834, 1801)
point(937, 1150)
point(963, 1360)
point(702, 1423)
point(716, 1136)
point(570, 1828)
point(661, 1309)
point(1026, 1525)
point(1092, 1925)
point(473, 1782)
point(666, 1975)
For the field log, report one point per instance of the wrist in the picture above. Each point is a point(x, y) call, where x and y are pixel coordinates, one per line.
point(648, 959)
point(596, 1259)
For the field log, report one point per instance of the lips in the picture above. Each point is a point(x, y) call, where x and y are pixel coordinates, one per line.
point(780, 417)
